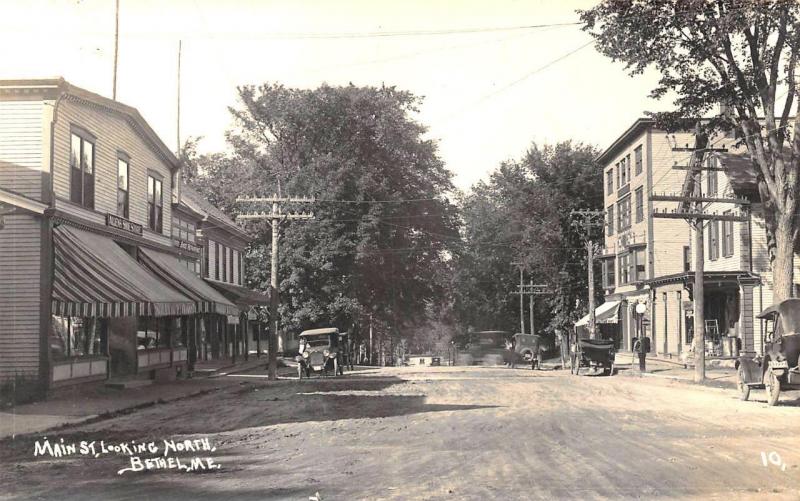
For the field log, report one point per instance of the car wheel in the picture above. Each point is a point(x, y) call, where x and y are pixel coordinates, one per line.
point(744, 388)
point(773, 386)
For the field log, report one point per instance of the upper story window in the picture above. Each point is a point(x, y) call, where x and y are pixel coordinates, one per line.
point(610, 220)
point(624, 216)
point(224, 264)
point(640, 270)
point(711, 178)
point(727, 236)
point(623, 173)
point(81, 162)
point(216, 260)
point(231, 266)
point(123, 171)
point(637, 158)
point(241, 269)
point(639, 204)
point(624, 268)
point(610, 182)
point(155, 204)
point(183, 229)
point(609, 273)
point(713, 239)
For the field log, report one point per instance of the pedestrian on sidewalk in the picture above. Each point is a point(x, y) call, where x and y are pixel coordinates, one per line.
point(563, 342)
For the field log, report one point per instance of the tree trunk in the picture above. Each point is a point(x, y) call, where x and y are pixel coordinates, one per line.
point(783, 261)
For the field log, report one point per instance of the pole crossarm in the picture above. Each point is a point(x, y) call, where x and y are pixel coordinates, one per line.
point(276, 199)
point(689, 167)
point(701, 150)
point(675, 197)
point(699, 216)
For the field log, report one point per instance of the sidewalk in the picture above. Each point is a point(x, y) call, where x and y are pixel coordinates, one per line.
point(81, 403)
point(719, 377)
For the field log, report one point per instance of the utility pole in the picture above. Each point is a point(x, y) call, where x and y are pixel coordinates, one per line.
point(530, 290)
point(530, 297)
point(521, 299)
point(178, 126)
point(116, 52)
point(590, 219)
point(370, 339)
point(276, 217)
point(690, 208)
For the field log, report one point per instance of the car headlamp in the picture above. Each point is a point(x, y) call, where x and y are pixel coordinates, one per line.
point(332, 354)
point(326, 353)
point(305, 354)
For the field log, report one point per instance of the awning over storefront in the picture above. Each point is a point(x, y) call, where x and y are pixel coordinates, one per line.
point(178, 276)
point(95, 277)
point(606, 313)
point(242, 296)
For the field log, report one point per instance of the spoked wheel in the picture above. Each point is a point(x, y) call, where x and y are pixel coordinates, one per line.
point(744, 389)
point(773, 386)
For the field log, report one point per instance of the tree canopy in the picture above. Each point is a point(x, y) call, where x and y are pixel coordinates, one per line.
point(383, 227)
point(522, 215)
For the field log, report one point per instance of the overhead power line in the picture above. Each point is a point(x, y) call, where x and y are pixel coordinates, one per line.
point(399, 33)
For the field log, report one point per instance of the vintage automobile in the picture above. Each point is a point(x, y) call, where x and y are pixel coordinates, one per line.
point(319, 352)
point(436, 361)
point(527, 348)
point(777, 369)
point(483, 348)
point(593, 354)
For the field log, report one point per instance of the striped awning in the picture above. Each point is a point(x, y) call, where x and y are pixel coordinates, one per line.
point(242, 296)
point(170, 270)
point(95, 277)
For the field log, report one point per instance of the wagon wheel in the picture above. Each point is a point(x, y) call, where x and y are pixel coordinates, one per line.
point(772, 385)
point(744, 388)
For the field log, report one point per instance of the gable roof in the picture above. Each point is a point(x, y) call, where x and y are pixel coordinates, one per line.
point(198, 203)
point(639, 126)
point(58, 88)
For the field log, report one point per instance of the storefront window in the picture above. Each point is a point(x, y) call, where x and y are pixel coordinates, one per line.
point(153, 333)
point(77, 337)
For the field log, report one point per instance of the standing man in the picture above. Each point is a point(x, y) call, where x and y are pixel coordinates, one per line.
point(563, 342)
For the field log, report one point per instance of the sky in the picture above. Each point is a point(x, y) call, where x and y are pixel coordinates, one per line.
point(488, 95)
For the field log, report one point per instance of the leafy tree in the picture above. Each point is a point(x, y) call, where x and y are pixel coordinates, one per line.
point(739, 54)
point(382, 224)
point(522, 214)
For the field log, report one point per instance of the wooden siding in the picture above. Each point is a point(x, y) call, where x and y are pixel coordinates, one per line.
point(20, 248)
point(669, 235)
point(113, 135)
point(22, 146)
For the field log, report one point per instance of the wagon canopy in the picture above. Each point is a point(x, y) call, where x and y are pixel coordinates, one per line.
point(606, 313)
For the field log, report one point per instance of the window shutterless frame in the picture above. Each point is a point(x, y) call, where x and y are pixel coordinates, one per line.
point(155, 202)
point(82, 163)
point(123, 185)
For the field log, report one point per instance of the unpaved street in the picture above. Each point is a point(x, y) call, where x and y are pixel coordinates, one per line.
point(440, 433)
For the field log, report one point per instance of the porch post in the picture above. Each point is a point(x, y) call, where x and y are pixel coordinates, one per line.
point(746, 331)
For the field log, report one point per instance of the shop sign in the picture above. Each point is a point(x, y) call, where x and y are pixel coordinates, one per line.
point(120, 223)
point(187, 246)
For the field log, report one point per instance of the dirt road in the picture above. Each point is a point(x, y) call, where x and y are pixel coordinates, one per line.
point(438, 433)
